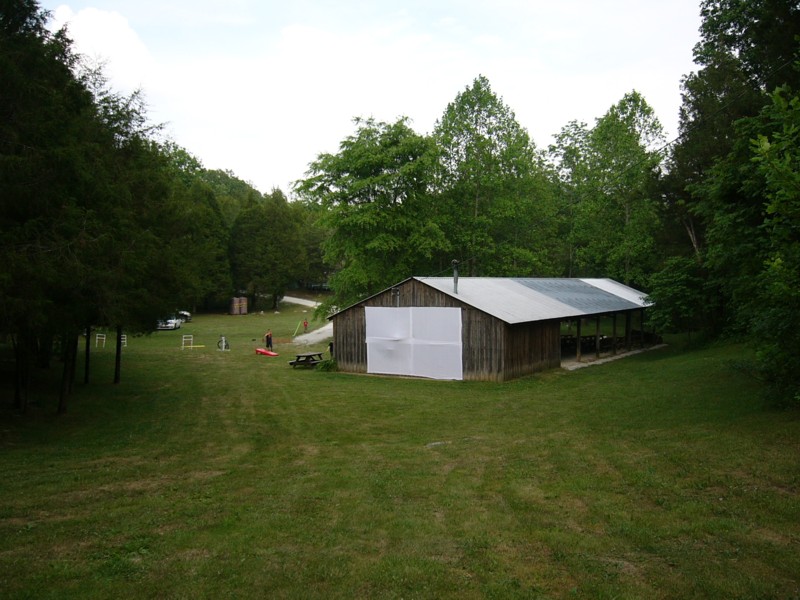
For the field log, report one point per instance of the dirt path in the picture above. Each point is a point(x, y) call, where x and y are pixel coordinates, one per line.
point(317, 335)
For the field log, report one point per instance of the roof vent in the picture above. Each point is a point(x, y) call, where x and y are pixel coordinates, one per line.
point(455, 276)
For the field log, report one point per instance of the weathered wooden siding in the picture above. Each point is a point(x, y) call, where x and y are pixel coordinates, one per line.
point(491, 349)
point(532, 347)
point(483, 343)
point(350, 340)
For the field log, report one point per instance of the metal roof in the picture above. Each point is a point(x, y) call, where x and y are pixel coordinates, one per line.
point(520, 300)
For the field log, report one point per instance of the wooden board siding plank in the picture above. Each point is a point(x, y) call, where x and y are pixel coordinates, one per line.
point(533, 347)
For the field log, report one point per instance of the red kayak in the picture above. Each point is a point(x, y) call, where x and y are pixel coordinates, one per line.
point(266, 352)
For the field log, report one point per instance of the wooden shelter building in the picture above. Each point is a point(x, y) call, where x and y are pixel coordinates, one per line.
point(476, 328)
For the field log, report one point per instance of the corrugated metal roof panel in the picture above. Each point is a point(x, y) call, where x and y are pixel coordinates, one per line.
point(581, 294)
point(503, 298)
point(521, 300)
point(621, 290)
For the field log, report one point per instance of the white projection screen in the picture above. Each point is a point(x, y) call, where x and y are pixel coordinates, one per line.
point(416, 341)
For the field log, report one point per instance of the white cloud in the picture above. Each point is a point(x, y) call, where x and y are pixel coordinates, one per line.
point(261, 88)
point(106, 37)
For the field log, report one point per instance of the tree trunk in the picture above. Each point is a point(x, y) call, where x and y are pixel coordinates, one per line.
point(627, 253)
point(44, 350)
point(73, 358)
point(21, 372)
point(688, 224)
point(86, 354)
point(628, 332)
point(597, 337)
point(68, 374)
point(473, 250)
point(118, 356)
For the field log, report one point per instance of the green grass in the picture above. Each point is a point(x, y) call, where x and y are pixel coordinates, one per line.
point(207, 474)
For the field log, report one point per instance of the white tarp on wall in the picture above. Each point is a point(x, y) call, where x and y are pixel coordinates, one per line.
point(417, 341)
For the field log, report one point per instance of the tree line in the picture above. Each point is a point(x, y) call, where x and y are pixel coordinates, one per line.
point(105, 224)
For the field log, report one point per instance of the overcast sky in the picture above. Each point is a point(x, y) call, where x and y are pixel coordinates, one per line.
point(263, 87)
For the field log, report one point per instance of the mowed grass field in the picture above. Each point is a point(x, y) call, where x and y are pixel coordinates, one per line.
point(208, 474)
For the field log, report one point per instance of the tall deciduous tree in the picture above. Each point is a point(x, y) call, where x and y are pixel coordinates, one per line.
point(568, 156)
point(608, 173)
point(761, 35)
point(776, 322)
point(375, 196)
point(713, 189)
point(716, 189)
point(313, 239)
point(496, 206)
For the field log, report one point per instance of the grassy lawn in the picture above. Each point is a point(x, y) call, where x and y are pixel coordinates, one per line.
point(209, 474)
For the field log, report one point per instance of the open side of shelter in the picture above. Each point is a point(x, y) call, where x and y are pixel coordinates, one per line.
point(480, 328)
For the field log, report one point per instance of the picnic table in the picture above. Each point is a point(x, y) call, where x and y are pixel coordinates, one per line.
point(307, 359)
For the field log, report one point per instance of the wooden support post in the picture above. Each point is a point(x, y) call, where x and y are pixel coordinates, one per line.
point(578, 339)
point(597, 336)
point(628, 332)
point(614, 335)
point(118, 356)
point(641, 325)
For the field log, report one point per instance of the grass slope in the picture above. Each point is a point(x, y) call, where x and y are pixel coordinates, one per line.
point(207, 474)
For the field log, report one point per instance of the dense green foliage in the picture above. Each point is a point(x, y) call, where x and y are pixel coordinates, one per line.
point(374, 200)
point(477, 191)
point(728, 182)
point(776, 321)
point(494, 198)
point(609, 175)
point(266, 248)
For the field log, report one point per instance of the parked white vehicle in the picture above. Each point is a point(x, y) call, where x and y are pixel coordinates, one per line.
point(169, 324)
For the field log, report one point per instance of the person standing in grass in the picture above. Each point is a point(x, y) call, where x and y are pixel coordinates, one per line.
point(305, 325)
point(268, 339)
